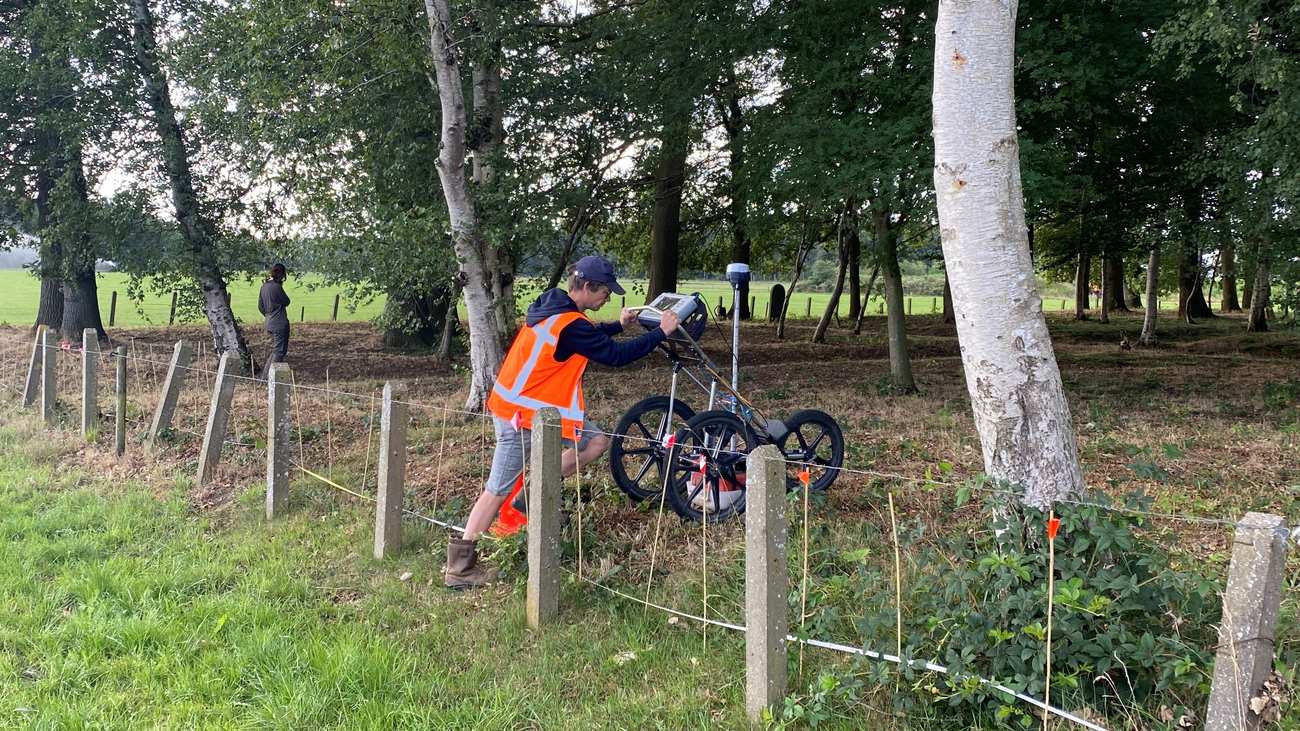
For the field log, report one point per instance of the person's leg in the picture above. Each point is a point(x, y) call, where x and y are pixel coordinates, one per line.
point(588, 451)
point(462, 570)
point(281, 346)
point(485, 511)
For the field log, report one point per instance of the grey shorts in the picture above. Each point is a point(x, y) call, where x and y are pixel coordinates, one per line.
point(513, 448)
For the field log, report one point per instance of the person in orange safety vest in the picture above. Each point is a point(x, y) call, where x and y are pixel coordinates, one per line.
point(544, 367)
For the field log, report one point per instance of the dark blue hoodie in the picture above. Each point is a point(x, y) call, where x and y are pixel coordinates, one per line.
point(594, 341)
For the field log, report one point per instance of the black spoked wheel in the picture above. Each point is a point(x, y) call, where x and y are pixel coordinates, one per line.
point(637, 450)
point(717, 492)
point(815, 442)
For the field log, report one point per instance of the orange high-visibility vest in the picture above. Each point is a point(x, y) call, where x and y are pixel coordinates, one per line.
point(531, 377)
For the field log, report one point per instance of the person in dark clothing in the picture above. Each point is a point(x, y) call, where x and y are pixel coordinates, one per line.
point(544, 367)
point(273, 303)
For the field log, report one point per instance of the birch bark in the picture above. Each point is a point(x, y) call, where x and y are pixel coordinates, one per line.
point(1148, 336)
point(1019, 403)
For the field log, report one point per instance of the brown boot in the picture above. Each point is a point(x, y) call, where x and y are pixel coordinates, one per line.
point(462, 570)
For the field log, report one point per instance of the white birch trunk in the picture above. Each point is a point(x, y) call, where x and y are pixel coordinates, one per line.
point(1019, 404)
point(1148, 336)
point(479, 275)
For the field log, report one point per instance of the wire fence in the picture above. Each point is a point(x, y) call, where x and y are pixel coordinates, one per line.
point(318, 450)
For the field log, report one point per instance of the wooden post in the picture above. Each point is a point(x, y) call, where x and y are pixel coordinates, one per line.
point(223, 392)
point(335, 317)
point(392, 474)
point(807, 311)
point(751, 306)
point(177, 372)
point(34, 368)
point(171, 318)
point(766, 582)
point(119, 416)
point(89, 382)
point(1248, 631)
point(544, 484)
point(112, 309)
point(909, 305)
point(278, 442)
point(49, 375)
point(302, 314)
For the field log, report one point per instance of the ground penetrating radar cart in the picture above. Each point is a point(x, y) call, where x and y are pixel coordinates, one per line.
point(697, 460)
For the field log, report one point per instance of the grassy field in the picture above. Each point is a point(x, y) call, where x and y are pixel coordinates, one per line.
point(131, 598)
point(121, 607)
point(314, 302)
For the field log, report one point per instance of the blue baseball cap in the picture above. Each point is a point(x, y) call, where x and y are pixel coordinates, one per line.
point(598, 269)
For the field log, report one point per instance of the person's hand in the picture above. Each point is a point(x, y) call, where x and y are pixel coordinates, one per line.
point(668, 322)
point(626, 318)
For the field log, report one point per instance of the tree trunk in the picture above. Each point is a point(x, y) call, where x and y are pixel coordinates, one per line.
point(486, 135)
point(734, 123)
point(1148, 336)
point(480, 277)
point(866, 299)
point(1191, 299)
point(1248, 294)
point(949, 314)
point(1082, 282)
point(197, 231)
point(81, 307)
point(577, 229)
point(1107, 294)
point(1113, 280)
point(819, 335)
point(450, 325)
point(1228, 262)
point(80, 295)
point(1258, 321)
point(855, 274)
point(670, 175)
point(416, 320)
point(49, 265)
point(49, 311)
point(900, 361)
point(1018, 401)
point(800, 256)
point(1131, 296)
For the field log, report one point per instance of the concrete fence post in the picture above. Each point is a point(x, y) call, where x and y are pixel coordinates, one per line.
point(177, 372)
point(544, 484)
point(34, 369)
point(766, 581)
point(392, 473)
point(49, 375)
point(277, 439)
point(89, 382)
point(223, 392)
point(1250, 609)
point(119, 415)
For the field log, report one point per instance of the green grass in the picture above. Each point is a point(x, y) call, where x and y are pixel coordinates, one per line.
point(22, 291)
point(119, 609)
point(315, 302)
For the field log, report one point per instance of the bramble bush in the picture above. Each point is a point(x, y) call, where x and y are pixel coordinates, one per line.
point(1133, 633)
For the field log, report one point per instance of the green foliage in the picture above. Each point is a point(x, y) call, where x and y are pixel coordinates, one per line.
point(1130, 629)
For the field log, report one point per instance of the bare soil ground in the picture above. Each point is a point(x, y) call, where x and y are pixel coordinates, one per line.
point(1206, 422)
